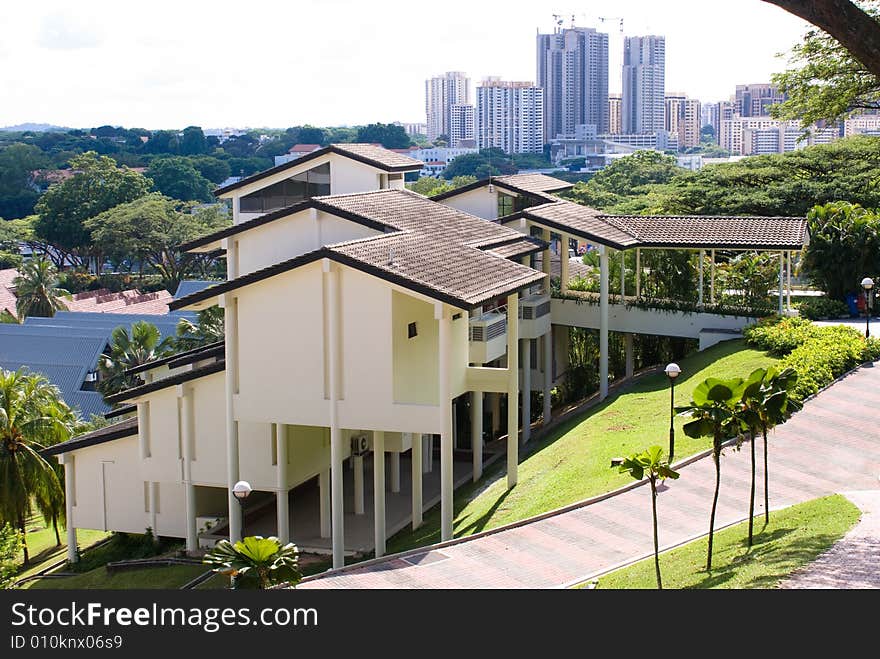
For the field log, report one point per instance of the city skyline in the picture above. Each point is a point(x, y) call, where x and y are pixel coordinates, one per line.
point(103, 64)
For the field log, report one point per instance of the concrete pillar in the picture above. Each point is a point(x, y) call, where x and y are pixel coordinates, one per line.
point(513, 384)
point(379, 491)
point(394, 459)
point(630, 357)
point(143, 417)
point(282, 504)
point(563, 265)
point(69, 499)
point(230, 316)
point(189, 490)
point(442, 315)
point(788, 286)
point(427, 453)
point(324, 502)
point(781, 283)
point(153, 497)
point(358, 462)
point(702, 258)
point(337, 511)
point(416, 475)
point(545, 256)
point(548, 375)
point(477, 433)
point(603, 322)
point(526, 390)
point(495, 403)
point(712, 279)
point(638, 272)
point(622, 275)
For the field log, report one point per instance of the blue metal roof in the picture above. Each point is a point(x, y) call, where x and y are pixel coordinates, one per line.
point(189, 286)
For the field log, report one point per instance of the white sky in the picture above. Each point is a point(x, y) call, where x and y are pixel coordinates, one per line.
point(163, 64)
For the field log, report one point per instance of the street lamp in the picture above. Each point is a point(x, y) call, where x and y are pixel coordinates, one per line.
point(867, 284)
point(672, 371)
point(241, 491)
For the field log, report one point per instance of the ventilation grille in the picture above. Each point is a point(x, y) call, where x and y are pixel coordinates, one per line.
point(482, 333)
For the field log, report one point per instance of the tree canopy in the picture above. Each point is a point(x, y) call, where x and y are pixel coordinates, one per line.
point(388, 135)
point(178, 178)
point(486, 163)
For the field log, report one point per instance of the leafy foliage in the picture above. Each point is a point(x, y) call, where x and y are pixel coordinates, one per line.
point(10, 545)
point(127, 350)
point(822, 307)
point(486, 163)
point(208, 328)
point(178, 178)
point(37, 291)
point(388, 135)
point(256, 562)
point(430, 186)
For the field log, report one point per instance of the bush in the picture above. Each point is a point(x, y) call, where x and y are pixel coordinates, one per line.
point(822, 307)
point(10, 260)
point(124, 546)
point(779, 336)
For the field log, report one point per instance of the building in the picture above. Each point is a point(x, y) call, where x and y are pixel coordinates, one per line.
point(435, 159)
point(615, 114)
point(599, 151)
point(683, 119)
point(753, 136)
point(572, 69)
point(510, 116)
point(413, 129)
point(461, 127)
point(644, 84)
point(441, 94)
point(296, 151)
point(754, 100)
point(862, 124)
point(365, 329)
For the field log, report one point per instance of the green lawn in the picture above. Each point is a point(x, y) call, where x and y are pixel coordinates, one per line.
point(42, 547)
point(154, 577)
point(794, 537)
point(572, 463)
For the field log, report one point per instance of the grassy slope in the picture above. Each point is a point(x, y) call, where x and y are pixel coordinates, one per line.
point(156, 577)
point(794, 537)
point(42, 548)
point(572, 463)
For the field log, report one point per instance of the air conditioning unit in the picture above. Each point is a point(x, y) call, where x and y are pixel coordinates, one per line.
point(534, 316)
point(488, 337)
point(360, 444)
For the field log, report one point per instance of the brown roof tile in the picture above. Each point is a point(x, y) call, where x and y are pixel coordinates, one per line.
point(581, 221)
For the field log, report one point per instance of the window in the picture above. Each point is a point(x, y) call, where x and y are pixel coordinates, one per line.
point(312, 183)
point(411, 331)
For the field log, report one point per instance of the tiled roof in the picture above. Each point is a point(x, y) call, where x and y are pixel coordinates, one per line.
point(525, 246)
point(125, 428)
point(303, 148)
point(370, 154)
point(133, 301)
point(581, 221)
point(714, 231)
point(7, 297)
point(533, 182)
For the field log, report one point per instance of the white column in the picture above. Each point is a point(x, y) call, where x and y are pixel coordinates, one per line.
point(788, 287)
point(143, 417)
point(545, 257)
point(186, 442)
point(324, 502)
point(337, 511)
point(427, 453)
point(153, 496)
point(622, 275)
point(394, 459)
point(477, 433)
point(563, 264)
point(603, 322)
point(526, 392)
point(630, 358)
point(712, 279)
point(69, 498)
point(441, 313)
point(358, 462)
point(379, 491)
point(638, 272)
point(282, 504)
point(702, 258)
point(416, 474)
point(230, 315)
point(781, 283)
point(548, 375)
point(513, 384)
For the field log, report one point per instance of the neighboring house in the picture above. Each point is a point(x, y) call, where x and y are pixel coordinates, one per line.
point(7, 290)
point(296, 151)
point(364, 322)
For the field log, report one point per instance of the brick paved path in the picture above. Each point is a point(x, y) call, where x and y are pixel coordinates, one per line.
point(854, 561)
point(832, 445)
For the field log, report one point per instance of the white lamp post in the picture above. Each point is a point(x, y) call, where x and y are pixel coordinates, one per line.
point(672, 372)
point(241, 491)
point(867, 284)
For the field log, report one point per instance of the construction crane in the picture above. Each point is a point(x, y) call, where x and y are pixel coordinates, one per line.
point(605, 19)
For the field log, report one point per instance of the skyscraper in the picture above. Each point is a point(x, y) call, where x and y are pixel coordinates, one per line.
point(510, 116)
point(441, 93)
point(755, 99)
point(683, 119)
point(644, 84)
point(615, 116)
point(572, 69)
point(461, 126)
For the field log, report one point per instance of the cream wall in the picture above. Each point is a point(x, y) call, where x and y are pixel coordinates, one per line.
point(479, 202)
point(164, 462)
point(347, 176)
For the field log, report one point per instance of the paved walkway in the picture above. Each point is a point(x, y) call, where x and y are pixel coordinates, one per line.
point(854, 561)
point(832, 445)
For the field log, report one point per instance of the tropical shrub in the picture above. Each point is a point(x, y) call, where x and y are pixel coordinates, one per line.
point(822, 307)
point(779, 336)
point(10, 546)
point(256, 562)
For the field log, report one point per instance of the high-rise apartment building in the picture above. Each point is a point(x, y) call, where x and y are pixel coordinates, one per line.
point(461, 127)
point(572, 69)
point(441, 94)
point(755, 99)
point(683, 119)
point(510, 116)
point(644, 84)
point(615, 114)
point(723, 111)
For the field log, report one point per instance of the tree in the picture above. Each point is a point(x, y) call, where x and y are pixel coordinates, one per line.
point(193, 142)
point(176, 177)
point(388, 135)
point(18, 194)
point(163, 141)
point(97, 186)
point(712, 412)
point(29, 422)
point(654, 465)
point(625, 177)
point(844, 247)
point(256, 562)
point(10, 545)
point(213, 169)
point(430, 186)
point(488, 162)
point(144, 344)
point(149, 231)
point(208, 328)
point(36, 289)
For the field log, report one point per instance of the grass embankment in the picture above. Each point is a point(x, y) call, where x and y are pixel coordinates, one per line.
point(794, 537)
point(170, 577)
point(42, 547)
point(572, 462)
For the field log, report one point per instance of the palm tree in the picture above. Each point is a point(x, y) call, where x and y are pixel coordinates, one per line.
point(712, 410)
point(256, 562)
point(37, 291)
point(144, 344)
point(32, 416)
point(207, 329)
point(654, 465)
